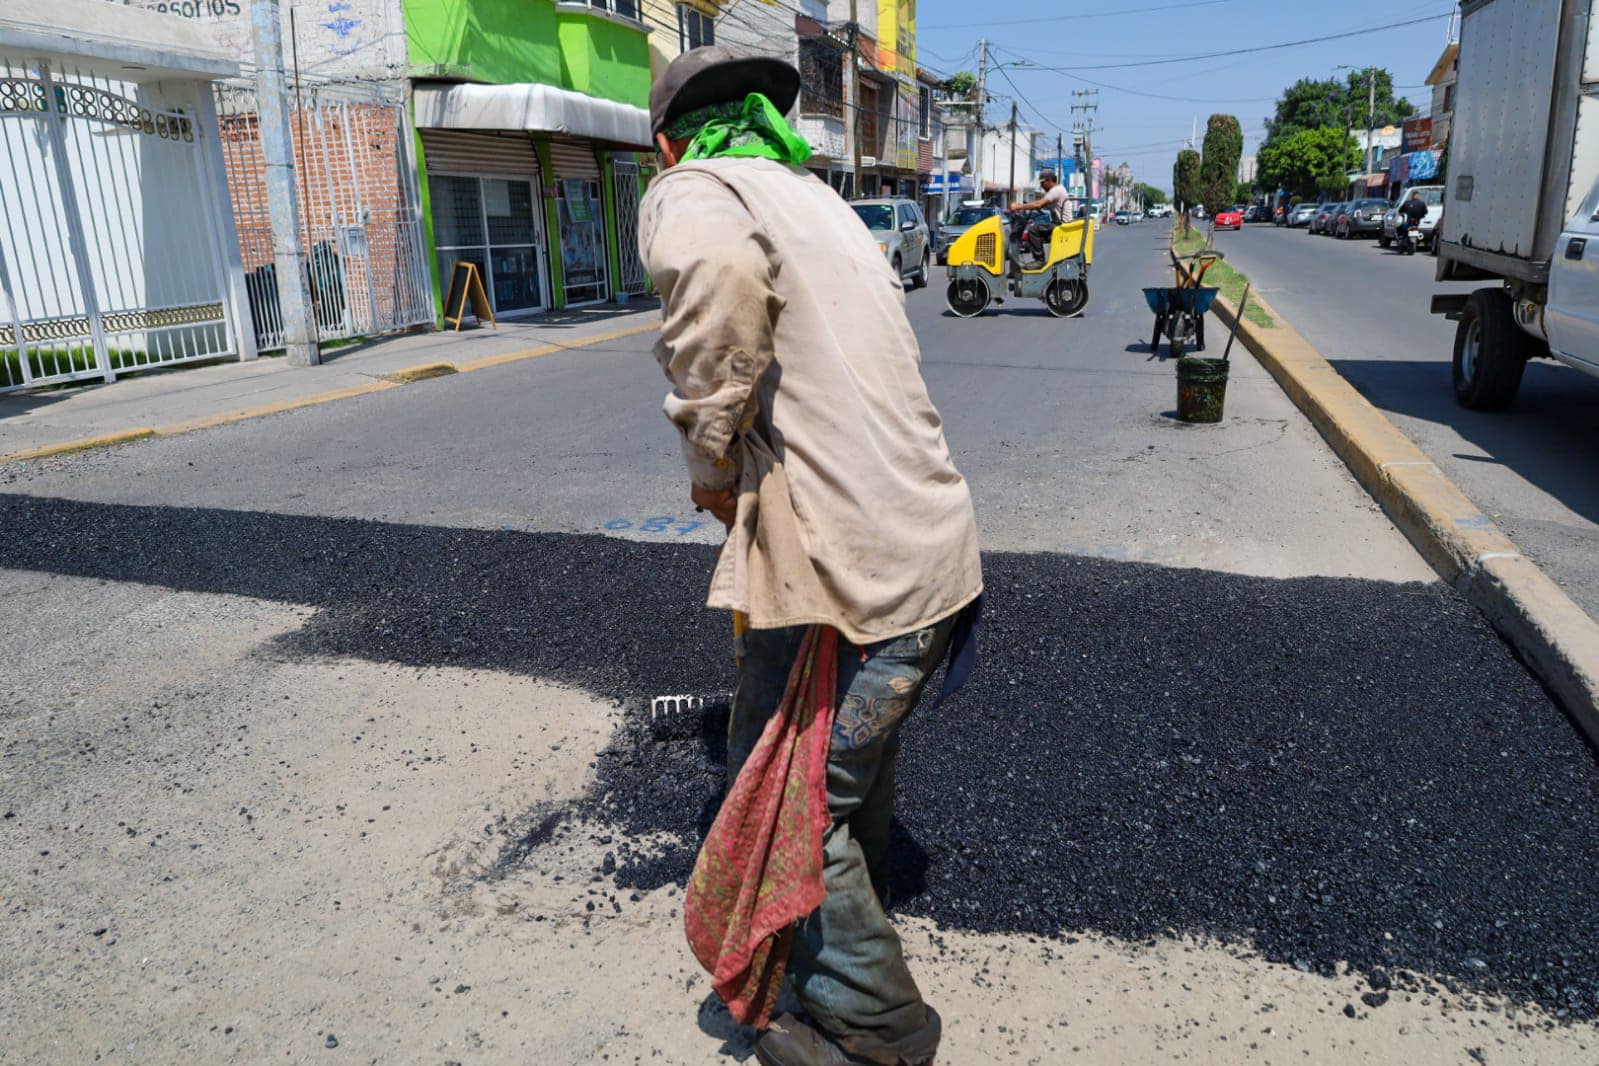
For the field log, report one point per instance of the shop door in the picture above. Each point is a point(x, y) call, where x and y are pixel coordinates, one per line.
point(580, 209)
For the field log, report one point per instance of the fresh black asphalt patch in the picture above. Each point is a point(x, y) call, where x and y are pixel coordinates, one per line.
point(1325, 770)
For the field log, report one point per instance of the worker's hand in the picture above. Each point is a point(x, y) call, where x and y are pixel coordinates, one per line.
point(723, 503)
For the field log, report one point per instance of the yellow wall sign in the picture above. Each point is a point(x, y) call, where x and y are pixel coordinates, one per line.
point(896, 36)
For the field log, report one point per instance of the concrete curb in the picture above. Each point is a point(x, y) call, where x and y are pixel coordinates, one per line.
point(105, 441)
point(1553, 635)
point(394, 380)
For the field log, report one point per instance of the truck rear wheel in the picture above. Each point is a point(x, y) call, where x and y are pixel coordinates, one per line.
point(1491, 352)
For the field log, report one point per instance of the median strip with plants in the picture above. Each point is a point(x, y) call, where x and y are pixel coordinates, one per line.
point(1230, 281)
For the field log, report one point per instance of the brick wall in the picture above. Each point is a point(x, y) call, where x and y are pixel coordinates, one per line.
point(348, 167)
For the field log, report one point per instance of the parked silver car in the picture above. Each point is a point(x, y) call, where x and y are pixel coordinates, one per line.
point(901, 234)
point(1326, 214)
point(1301, 215)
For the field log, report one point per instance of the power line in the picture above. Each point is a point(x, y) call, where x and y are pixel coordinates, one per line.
point(1073, 18)
point(1139, 92)
point(1242, 51)
point(1030, 105)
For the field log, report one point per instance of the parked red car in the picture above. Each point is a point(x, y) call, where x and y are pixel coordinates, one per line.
point(1229, 218)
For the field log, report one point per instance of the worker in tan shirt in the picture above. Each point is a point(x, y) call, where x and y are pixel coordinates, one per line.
point(807, 428)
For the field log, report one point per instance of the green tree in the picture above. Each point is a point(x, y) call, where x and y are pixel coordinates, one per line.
point(1150, 195)
point(962, 84)
point(1309, 162)
point(1312, 104)
point(1218, 170)
point(1243, 192)
point(1185, 178)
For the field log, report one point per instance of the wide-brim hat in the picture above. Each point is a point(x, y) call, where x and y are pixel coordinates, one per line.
point(713, 75)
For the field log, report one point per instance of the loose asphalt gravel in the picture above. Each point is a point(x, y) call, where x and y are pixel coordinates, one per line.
point(1329, 770)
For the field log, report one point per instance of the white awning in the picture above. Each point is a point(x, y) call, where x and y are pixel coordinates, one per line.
point(530, 106)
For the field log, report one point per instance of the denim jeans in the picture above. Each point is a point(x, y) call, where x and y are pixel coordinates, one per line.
point(847, 966)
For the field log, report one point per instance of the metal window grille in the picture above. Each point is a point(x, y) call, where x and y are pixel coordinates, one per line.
point(821, 77)
point(111, 255)
point(360, 211)
point(625, 186)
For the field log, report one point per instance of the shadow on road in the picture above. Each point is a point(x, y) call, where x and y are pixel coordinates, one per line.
point(1549, 437)
point(1327, 770)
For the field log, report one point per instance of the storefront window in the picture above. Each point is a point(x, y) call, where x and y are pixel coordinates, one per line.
point(491, 222)
point(582, 218)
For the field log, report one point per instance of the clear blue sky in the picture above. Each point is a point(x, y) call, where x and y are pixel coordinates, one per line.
point(1142, 50)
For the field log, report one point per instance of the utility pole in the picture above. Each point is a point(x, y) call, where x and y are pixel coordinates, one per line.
point(283, 207)
point(1085, 104)
point(1371, 111)
point(1013, 151)
point(855, 99)
point(977, 127)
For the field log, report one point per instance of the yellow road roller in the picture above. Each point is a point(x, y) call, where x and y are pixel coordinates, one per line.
point(990, 261)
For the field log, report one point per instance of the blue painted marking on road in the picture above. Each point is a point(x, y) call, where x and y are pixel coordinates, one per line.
point(667, 524)
point(1476, 521)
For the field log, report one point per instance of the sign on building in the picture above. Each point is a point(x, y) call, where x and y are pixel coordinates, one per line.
point(1418, 134)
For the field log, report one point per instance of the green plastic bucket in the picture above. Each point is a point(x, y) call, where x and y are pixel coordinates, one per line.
point(1201, 389)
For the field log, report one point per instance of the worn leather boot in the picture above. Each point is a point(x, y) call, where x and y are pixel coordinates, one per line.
point(794, 1041)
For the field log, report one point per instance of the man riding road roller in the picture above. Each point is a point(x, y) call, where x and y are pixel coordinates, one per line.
point(1059, 206)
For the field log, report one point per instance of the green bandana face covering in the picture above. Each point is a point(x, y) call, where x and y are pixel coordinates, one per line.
point(753, 128)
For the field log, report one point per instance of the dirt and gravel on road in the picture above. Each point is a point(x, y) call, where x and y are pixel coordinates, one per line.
point(396, 802)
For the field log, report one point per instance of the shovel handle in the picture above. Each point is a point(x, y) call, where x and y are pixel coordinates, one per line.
point(1243, 304)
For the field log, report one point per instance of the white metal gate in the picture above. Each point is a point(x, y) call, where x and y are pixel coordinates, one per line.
point(110, 249)
point(359, 208)
point(625, 191)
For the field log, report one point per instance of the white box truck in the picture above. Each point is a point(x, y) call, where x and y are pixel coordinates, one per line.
point(1521, 206)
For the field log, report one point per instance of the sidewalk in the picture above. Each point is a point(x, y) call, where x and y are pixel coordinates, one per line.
point(182, 398)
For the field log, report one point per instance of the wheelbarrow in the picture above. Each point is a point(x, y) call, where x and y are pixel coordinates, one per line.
point(1180, 309)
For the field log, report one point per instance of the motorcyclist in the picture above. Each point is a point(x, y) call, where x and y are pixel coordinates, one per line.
point(1410, 216)
point(1057, 202)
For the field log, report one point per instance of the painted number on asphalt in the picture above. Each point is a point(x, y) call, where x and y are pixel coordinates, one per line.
point(659, 524)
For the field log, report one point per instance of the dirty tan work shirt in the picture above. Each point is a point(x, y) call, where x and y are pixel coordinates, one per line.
point(797, 379)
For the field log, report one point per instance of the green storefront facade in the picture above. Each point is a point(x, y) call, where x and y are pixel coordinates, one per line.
point(532, 142)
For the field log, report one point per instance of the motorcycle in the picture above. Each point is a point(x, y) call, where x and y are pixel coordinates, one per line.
point(1405, 235)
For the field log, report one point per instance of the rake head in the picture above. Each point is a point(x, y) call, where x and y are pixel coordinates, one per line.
point(685, 713)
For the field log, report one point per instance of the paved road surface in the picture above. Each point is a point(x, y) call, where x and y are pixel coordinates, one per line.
point(297, 712)
point(1531, 468)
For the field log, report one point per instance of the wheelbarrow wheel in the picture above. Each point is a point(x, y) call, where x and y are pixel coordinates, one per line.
point(1066, 298)
point(967, 297)
point(1182, 328)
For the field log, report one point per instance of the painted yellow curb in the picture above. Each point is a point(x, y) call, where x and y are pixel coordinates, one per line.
point(421, 373)
point(394, 380)
point(1553, 635)
point(172, 429)
point(550, 349)
point(80, 445)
